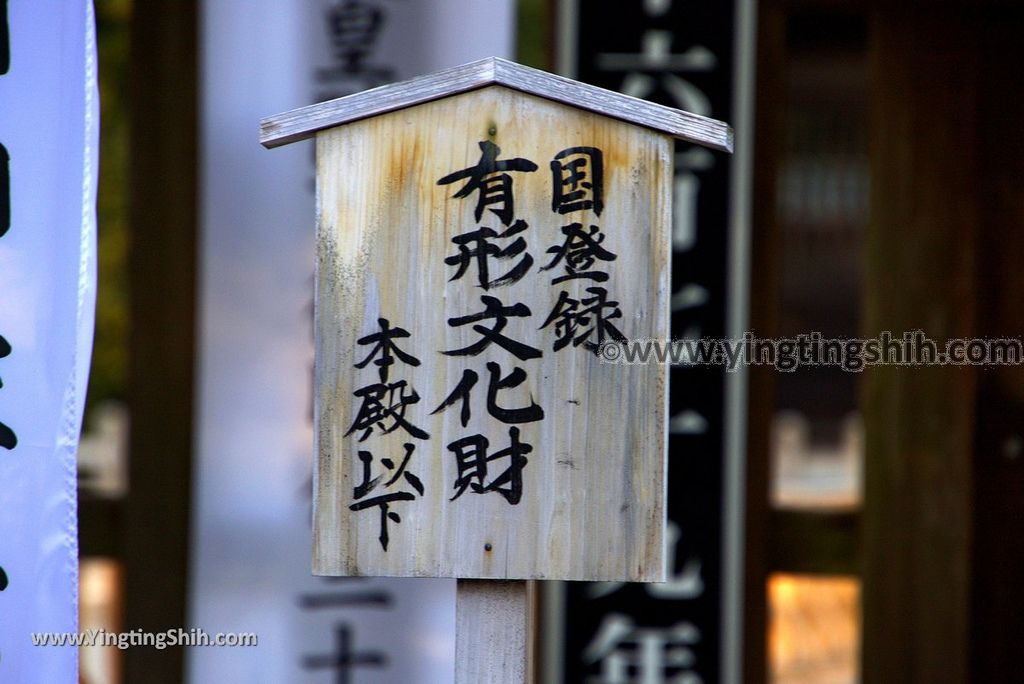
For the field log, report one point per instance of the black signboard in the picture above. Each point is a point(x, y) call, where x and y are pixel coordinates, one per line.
point(678, 53)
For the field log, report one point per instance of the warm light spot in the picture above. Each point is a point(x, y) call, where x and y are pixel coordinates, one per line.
point(814, 626)
point(99, 593)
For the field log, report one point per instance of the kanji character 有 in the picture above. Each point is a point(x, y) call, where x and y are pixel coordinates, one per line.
point(488, 178)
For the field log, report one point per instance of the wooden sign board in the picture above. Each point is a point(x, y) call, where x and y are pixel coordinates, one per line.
point(476, 248)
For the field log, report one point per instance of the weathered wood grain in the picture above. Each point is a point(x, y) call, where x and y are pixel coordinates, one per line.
point(593, 504)
point(493, 632)
point(304, 122)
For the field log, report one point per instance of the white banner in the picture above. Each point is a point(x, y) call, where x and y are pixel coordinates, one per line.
point(49, 122)
point(251, 567)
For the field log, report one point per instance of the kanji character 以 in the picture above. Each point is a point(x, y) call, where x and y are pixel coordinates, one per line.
point(368, 485)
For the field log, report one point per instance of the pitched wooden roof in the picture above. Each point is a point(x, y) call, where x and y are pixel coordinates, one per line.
point(302, 123)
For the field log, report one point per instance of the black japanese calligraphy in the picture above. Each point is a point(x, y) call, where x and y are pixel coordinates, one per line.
point(8, 439)
point(494, 309)
point(473, 462)
point(376, 411)
point(580, 251)
point(382, 407)
point(585, 321)
point(369, 484)
point(526, 414)
point(5, 40)
point(5, 191)
point(577, 176)
point(476, 246)
point(385, 346)
point(490, 180)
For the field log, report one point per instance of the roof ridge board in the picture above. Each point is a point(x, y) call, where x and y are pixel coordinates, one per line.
point(676, 122)
point(304, 122)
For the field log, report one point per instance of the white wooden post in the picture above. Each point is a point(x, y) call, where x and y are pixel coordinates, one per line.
point(494, 632)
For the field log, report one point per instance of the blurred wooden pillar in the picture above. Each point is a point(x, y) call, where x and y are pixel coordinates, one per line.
point(769, 120)
point(920, 274)
point(997, 582)
point(162, 280)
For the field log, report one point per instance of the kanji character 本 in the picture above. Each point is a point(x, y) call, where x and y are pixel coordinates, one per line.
point(385, 347)
point(472, 462)
point(580, 250)
point(384, 501)
point(577, 176)
point(489, 179)
point(374, 411)
point(476, 246)
point(571, 315)
point(493, 308)
point(526, 414)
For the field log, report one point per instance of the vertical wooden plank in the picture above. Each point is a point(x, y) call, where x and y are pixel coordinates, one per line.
point(162, 281)
point(919, 275)
point(493, 632)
